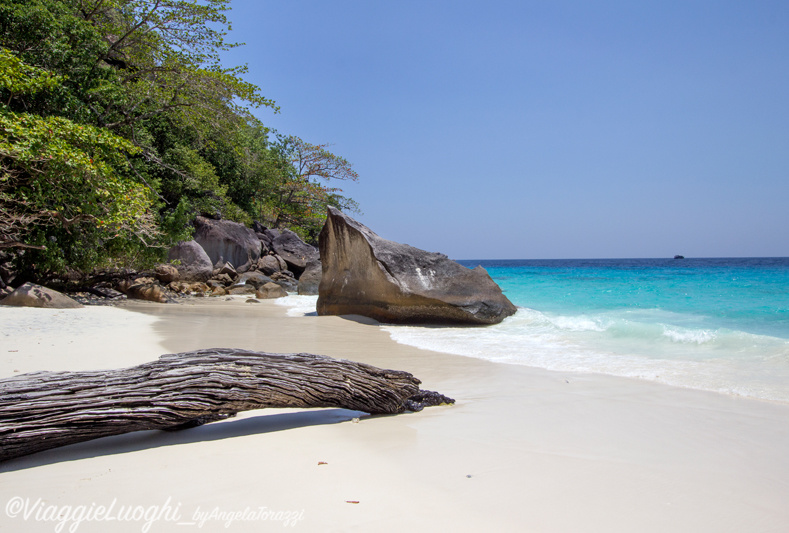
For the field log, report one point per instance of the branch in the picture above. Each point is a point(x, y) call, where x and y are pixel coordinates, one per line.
point(17, 244)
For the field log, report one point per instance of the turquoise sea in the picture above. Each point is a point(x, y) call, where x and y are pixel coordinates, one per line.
point(713, 324)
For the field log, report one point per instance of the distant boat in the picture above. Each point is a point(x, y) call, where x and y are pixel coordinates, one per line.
point(679, 257)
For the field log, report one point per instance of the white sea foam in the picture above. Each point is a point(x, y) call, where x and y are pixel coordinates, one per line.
point(298, 305)
point(694, 336)
point(717, 360)
point(644, 344)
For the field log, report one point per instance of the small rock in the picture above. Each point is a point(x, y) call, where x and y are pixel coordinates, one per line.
point(225, 279)
point(166, 273)
point(199, 288)
point(225, 269)
point(152, 292)
point(241, 289)
point(270, 290)
point(256, 279)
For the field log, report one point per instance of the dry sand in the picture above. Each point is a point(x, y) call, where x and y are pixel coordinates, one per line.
point(522, 450)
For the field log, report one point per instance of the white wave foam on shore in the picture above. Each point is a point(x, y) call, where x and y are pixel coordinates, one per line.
point(298, 305)
point(643, 344)
point(725, 361)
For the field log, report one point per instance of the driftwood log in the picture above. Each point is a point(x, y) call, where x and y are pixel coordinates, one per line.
point(43, 410)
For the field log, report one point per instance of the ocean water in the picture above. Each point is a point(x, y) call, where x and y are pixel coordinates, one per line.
point(713, 324)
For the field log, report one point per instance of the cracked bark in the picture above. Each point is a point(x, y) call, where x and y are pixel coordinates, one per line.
point(44, 410)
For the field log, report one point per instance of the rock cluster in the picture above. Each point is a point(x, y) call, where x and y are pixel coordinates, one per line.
point(229, 258)
point(225, 258)
point(366, 275)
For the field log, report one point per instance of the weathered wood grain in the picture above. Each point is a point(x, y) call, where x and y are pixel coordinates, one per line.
point(43, 410)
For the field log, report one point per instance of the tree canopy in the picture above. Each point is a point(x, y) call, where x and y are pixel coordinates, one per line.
point(120, 124)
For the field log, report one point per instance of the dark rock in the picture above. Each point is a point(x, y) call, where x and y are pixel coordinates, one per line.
point(223, 279)
point(7, 275)
point(264, 244)
point(270, 235)
point(226, 269)
point(310, 279)
point(283, 275)
point(166, 273)
point(224, 240)
point(107, 292)
point(268, 264)
point(192, 261)
point(270, 290)
point(296, 253)
point(32, 295)
point(257, 227)
point(366, 275)
point(285, 280)
point(256, 279)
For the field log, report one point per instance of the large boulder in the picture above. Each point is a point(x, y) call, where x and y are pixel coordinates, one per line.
point(310, 279)
point(269, 264)
point(32, 295)
point(191, 260)
point(366, 275)
point(296, 253)
point(226, 241)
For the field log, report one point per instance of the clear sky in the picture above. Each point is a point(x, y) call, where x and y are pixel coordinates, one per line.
point(552, 129)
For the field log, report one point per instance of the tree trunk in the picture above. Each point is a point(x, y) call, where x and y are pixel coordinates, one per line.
point(43, 410)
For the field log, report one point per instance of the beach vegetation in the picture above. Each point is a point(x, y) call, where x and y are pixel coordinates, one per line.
point(120, 124)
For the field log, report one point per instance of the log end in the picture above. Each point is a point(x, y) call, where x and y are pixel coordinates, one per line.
point(426, 398)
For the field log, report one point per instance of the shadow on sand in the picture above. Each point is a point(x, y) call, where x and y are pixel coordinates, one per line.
point(144, 440)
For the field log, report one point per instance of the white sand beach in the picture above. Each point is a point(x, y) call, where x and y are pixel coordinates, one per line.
point(521, 450)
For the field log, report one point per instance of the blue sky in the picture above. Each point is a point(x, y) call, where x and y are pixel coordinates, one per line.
point(556, 129)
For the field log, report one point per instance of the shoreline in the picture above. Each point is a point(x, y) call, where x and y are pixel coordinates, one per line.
point(523, 448)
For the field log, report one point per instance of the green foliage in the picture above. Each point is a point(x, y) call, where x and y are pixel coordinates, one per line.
point(298, 197)
point(119, 124)
point(18, 78)
point(59, 175)
point(176, 223)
